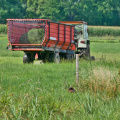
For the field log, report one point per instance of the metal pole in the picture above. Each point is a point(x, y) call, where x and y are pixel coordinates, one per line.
point(77, 68)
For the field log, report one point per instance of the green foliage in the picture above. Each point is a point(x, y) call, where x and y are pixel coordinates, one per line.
point(3, 28)
point(103, 31)
point(10, 9)
point(104, 12)
point(34, 36)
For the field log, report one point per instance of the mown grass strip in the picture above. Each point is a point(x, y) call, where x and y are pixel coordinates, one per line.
point(105, 39)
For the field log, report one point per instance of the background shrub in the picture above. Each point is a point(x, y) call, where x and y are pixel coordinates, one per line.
point(3, 28)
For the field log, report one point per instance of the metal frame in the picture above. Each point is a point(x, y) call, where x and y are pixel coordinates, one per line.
point(73, 22)
point(64, 35)
point(27, 47)
point(26, 20)
point(70, 37)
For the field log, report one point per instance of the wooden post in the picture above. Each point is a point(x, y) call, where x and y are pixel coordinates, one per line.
point(77, 68)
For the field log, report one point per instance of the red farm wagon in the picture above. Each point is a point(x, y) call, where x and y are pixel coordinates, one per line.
point(50, 40)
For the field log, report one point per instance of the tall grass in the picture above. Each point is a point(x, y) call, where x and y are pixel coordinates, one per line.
point(103, 31)
point(40, 91)
point(102, 81)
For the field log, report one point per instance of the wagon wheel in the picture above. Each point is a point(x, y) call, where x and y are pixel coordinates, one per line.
point(28, 58)
point(87, 51)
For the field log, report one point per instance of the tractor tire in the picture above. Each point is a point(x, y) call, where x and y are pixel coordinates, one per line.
point(28, 58)
point(87, 51)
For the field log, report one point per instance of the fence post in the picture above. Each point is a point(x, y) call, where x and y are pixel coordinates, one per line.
point(77, 68)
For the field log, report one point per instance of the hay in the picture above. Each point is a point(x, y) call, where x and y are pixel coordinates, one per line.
point(24, 39)
point(34, 36)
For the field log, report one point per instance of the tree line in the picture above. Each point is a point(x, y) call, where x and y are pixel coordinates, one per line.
point(95, 12)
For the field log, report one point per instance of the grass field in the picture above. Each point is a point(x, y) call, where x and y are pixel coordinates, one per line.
point(40, 91)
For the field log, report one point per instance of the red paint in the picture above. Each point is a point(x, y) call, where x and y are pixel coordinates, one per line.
point(17, 27)
point(82, 41)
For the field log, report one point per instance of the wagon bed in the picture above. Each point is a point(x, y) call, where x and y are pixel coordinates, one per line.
point(23, 35)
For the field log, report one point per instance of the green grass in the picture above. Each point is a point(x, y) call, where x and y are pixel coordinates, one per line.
point(40, 91)
point(107, 47)
point(3, 28)
point(105, 39)
point(4, 52)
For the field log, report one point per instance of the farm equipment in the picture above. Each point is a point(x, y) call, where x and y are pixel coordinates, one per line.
point(49, 40)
